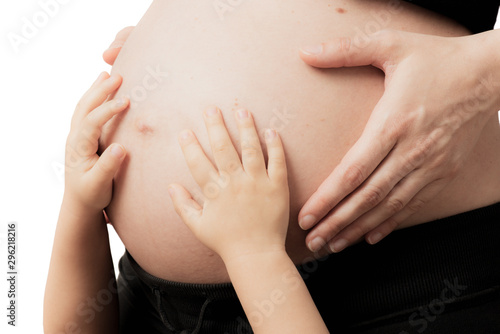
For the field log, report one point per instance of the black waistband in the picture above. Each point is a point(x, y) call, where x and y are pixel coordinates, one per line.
point(218, 291)
point(455, 260)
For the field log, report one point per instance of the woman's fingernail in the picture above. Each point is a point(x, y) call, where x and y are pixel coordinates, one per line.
point(117, 151)
point(306, 222)
point(242, 113)
point(316, 244)
point(212, 111)
point(338, 245)
point(375, 238)
point(270, 134)
point(313, 50)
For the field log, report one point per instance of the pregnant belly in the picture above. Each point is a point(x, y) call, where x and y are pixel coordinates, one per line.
point(187, 55)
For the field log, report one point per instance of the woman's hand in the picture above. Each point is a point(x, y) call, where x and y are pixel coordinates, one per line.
point(439, 94)
point(246, 207)
point(114, 49)
point(88, 177)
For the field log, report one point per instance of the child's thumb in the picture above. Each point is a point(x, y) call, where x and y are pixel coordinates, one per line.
point(185, 206)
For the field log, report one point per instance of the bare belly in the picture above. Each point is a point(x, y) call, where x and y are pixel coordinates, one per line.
point(186, 55)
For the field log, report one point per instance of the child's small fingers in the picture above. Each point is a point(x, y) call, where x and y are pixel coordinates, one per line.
point(225, 155)
point(101, 115)
point(96, 96)
point(100, 78)
point(85, 137)
point(80, 113)
point(185, 206)
point(200, 166)
point(276, 165)
point(251, 150)
point(107, 165)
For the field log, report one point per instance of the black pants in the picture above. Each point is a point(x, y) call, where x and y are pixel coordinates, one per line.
point(441, 277)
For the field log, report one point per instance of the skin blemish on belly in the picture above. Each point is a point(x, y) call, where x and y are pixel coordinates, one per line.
point(340, 10)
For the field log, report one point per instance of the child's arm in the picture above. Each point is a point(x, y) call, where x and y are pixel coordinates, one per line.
point(80, 296)
point(244, 219)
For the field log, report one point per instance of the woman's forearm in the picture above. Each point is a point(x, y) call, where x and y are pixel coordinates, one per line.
point(488, 47)
point(273, 294)
point(80, 292)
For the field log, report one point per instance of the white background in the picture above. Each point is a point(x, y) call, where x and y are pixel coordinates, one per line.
point(39, 87)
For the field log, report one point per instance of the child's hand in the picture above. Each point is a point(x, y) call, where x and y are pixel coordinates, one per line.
point(88, 177)
point(246, 207)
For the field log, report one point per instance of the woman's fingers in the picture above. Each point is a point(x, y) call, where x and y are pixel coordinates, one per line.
point(380, 194)
point(376, 49)
point(200, 166)
point(357, 165)
point(391, 205)
point(276, 165)
point(414, 205)
point(114, 49)
point(225, 155)
point(185, 206)
point(251, 149)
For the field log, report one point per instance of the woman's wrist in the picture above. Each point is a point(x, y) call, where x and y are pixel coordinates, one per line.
point(486, 46)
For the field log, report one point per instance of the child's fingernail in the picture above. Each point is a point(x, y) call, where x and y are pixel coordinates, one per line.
point(171, 190)
point(313, 50)
point(117, 151)
point(316, 244)
point(99, 78)
point(184, 135)
point(338, 245)
point(113, 77)
point(212, 111)
point(120, 102)
point(242, 113)
point(270, 134)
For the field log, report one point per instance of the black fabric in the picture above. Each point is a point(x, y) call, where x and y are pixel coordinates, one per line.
point(440, 277)
point(477, 16)
point(152, 305)
point(389, 284)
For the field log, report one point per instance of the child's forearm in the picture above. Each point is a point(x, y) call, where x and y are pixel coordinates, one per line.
point(81, 290)
point(273, 294)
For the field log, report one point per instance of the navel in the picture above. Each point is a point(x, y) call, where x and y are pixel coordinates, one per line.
point(143, 126)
